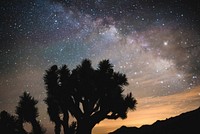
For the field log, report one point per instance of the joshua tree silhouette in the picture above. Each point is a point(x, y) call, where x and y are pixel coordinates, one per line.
point(28, 112)
point(89, 95)
point(9, 124)
point(57, 97)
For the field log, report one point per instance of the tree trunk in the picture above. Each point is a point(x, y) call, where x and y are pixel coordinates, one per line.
point(65, 123)
point(84, 127)
point(21, 127)
point(57, 127)
point(36, 128)
point(65, 128)
point(84, 130)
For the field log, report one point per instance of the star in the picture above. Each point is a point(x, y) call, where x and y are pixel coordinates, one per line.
point(165, 43)
point(155, 43)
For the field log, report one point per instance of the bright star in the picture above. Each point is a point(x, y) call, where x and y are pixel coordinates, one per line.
point(165, 43)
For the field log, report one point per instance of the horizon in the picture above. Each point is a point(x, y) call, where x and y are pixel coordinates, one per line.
point(141, 117)
point(155, 43)
point(150, 115)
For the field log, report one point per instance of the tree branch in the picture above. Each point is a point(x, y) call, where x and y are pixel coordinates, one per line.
point(96, 108)
point(99, 116)
point(112, 116)
point(75, 109)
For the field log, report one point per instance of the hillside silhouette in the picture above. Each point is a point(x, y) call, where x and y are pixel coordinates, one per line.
point(185, 123)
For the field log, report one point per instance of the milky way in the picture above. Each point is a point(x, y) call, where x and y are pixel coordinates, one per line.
point(156, 44)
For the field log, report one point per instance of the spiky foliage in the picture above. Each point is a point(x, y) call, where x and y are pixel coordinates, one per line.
point(90, 95)
point(26, 109)
point(28, 112)
point(9, 124)
point(56, 81)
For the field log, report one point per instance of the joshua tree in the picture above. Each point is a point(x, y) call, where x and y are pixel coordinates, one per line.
point(28, 112)
point(9, 124)
point(57, 97)
point(54, 112)
point(90, 95)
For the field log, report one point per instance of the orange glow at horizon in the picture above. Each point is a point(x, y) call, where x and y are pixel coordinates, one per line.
point(151, 109)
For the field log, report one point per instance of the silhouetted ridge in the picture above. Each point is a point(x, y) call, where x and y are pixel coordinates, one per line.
point(185, 123)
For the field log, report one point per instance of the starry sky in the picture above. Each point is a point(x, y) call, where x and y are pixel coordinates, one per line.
point(156, 43)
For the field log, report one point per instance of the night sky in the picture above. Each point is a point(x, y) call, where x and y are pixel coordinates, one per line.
point(156, 43)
